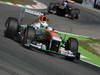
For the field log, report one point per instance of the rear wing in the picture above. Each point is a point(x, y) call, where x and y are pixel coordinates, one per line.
point(34, 12)
point(31, 12)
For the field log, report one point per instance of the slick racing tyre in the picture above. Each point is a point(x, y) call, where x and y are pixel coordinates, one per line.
point(11, 27)
point(53, 8)
point(77, 56)
point(28, 37)
point(77, 16)
point(72, 44)
point(75, 13)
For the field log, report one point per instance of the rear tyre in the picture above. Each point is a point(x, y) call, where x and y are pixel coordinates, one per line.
point(77, 16)
point(75, 13)
point(11, 27)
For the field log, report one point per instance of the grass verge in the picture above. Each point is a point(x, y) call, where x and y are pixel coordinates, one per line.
point(91, 53)
point(8, 0)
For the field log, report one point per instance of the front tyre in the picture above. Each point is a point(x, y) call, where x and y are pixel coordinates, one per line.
point(72, 45)
point(77, 56)
point(28, 37)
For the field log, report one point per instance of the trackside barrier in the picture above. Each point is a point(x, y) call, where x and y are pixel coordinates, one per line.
point(88, 3)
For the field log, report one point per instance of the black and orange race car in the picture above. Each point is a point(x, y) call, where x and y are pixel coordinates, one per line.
point(68, 11)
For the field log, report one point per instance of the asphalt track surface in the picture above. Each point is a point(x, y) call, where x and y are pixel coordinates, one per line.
point(16, 60)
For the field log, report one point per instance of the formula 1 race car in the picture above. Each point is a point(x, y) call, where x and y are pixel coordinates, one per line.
point(39, 35)
point(59, 9)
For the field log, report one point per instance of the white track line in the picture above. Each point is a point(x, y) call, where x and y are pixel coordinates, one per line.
point(90, 63)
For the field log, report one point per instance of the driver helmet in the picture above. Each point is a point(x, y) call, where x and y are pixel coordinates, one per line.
point(43, 18)
point(65, 3)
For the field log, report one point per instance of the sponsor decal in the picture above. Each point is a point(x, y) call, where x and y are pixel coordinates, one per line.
point(33, 12)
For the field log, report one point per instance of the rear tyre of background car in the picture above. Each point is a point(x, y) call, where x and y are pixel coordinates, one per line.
point(77, 16)
point(52, 8)
point(75, 13)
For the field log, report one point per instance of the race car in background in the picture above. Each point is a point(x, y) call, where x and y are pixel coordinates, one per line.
point(39, 35)
point(97, 4)
point(59, 9)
